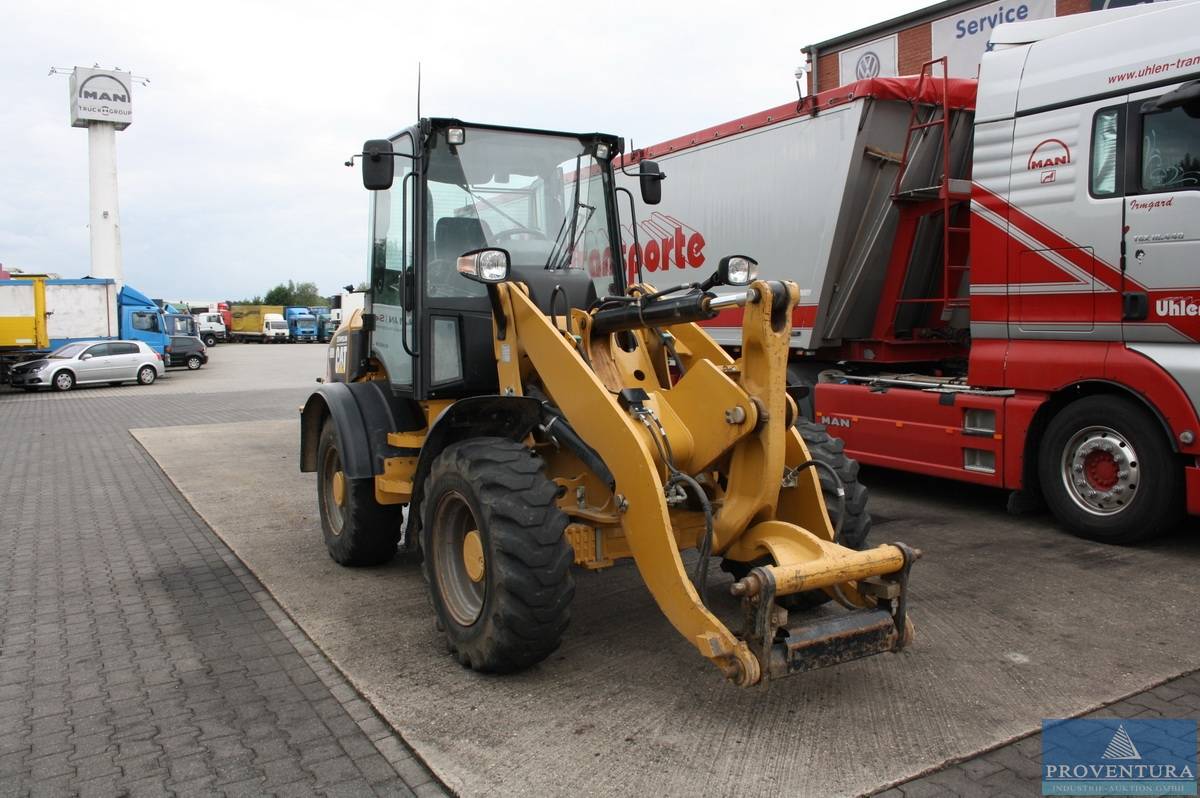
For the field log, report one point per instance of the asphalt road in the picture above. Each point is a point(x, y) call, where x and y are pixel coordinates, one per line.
point(1016, 621)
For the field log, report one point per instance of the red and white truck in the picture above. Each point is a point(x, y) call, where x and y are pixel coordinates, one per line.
point(1000, 278)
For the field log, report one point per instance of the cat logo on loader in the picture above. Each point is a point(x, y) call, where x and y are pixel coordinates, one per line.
point(516, 416)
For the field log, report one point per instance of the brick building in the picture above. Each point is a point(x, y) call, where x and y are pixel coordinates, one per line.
point(958, 29)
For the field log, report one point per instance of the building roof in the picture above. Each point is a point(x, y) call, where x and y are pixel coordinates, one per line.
point(935, 11)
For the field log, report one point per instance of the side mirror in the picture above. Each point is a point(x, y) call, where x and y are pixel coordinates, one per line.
point(736, 270)
point(86, 356)
point(650, 177)
point(377, 165)
point(489, 265)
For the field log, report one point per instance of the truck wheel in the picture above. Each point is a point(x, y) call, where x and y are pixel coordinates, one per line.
point(64, 381)
point(495, 558)
point(146, 375)
point(824, 448)
point(358, 530)
point(210, 340)
point(1108, 473)
point(193, 362)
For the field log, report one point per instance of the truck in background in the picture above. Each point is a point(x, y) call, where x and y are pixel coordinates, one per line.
point(343, 305)
point(210, 327)
point(302, 324)
point(998, 276)
point(39, 315)
point(261, 323)
point(324, 323)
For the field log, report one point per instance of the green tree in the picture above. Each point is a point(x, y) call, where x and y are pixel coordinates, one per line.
point(305, 294)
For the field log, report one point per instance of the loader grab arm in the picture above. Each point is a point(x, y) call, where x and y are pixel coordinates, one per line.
point(743, 456)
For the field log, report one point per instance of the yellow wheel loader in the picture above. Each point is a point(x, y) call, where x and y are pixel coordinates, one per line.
point(513, 402)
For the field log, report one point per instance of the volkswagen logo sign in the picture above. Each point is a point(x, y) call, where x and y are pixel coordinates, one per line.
point(867, 66)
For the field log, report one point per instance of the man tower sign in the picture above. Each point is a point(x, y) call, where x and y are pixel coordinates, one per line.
point(102, 101)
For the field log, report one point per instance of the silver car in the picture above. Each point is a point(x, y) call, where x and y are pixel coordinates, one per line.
point(88, 362)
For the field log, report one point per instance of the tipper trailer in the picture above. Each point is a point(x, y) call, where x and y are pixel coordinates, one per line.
point(998, 277)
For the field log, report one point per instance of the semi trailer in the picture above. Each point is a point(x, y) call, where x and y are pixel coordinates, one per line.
point(39, 315)
point(998, 276)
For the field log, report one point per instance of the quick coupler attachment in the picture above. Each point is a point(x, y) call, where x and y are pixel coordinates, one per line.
point(784, 649)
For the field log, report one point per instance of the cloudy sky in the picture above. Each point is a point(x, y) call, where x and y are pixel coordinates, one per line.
point(231, 176)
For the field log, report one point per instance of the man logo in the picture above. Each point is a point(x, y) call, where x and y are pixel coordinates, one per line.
point(867, 66)
point(1049, 154)
point(1121, 746)
point(104, 88)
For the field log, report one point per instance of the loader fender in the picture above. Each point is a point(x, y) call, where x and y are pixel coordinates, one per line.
point(511, 417)
point(363, 414)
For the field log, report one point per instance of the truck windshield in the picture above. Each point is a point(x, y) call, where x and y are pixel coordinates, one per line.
point(279, 325)
point(544, 198)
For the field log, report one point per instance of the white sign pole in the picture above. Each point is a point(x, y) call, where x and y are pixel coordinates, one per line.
point(101, 101)
point(104, 219)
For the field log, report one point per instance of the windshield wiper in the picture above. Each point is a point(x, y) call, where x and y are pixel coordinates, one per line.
point(551, 262)
point(570, 252)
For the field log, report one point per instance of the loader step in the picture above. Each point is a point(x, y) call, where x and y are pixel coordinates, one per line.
point(832, 641)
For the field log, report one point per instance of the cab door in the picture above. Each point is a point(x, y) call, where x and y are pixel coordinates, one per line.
point(1162, 217)
point(393, 285)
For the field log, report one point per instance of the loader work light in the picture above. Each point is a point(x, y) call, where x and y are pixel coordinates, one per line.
point(602, 151)
point(737, 270)
point(484, 265)
point(456, 135)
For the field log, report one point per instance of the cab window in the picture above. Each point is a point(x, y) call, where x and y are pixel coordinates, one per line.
point(146, 322)
point(1170, 157)
point(1105, 169)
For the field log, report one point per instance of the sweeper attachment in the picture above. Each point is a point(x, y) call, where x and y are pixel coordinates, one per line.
point(511, 405)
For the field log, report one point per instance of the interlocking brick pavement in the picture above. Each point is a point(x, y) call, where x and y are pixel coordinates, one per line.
point(137, 655)
point(1015, 769)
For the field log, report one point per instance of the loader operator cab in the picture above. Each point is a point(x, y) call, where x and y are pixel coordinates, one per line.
point(444, 188)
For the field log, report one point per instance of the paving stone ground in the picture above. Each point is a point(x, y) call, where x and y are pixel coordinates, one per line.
point(137, 655)
point(1015, 770)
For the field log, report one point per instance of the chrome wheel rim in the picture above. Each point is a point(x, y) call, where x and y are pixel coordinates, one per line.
point(145, 376)
point(1100, 470)
point(62, 381)
point(453, 525)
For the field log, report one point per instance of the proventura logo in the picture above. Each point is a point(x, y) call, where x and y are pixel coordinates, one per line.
point(1049, 153)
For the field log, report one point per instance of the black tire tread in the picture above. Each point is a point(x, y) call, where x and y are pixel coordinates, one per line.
point(1158, 506)
point(527, 605)
point(370, 531)
point(827, 449)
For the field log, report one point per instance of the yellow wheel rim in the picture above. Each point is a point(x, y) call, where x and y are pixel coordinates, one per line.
point(473, 555)
point(339, 488)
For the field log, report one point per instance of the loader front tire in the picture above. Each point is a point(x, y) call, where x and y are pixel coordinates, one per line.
point(358, 530)
point(495, 559)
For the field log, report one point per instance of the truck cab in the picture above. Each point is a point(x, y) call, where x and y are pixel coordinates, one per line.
point(142, 320)
point(275, 328)
point(211, 328)
point(302, 324)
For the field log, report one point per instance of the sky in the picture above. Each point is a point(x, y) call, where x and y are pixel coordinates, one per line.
point(231, 177)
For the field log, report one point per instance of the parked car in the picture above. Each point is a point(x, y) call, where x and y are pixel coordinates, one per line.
point(185, 350)
point(89, 362)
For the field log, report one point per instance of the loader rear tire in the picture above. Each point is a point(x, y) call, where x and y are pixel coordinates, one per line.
point(503, 597)
point(825, 448)
point(359, 530)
